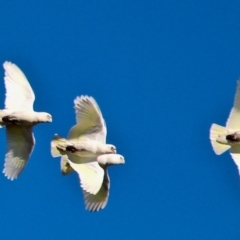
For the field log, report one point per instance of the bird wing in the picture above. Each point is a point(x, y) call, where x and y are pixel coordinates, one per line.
point(235, 153)
point(19, 94)
point(20, 141)
point(89, 171)
point(89, 119)
point(233, 122)
point(99, 201)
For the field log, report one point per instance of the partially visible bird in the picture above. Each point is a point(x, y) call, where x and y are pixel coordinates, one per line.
point(19, 119)
point(228, 138)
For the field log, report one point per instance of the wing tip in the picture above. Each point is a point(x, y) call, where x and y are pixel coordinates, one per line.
point(10, 177)
point(7, 65)
point(80, 99)
point(94, 205)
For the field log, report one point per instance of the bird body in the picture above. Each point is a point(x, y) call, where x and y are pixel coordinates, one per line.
point(81, 147)
point(19, 119)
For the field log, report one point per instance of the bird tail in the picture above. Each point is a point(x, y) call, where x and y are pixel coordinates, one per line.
point(65, 166)
point(56, 144)
point(215, 131)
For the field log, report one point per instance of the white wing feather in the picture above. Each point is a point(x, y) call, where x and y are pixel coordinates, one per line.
point(90, 173)
point(20, 146)
point(233, 121)
point(99, 201)
point(19, 94)
point(89, 120)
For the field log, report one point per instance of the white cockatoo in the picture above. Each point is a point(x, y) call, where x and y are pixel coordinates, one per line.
point(19, 119)
point(98, 201)
point(228, 138)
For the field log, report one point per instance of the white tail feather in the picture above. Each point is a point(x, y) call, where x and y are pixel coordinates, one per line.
point(55, 141)
point(218, 148)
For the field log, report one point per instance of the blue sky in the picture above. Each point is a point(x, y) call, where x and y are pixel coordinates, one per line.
point(162, 72)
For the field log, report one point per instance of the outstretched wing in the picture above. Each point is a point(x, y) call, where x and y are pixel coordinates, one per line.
point(233, 121)
point(19, 94)
point(20, 141)
point(89, 120)
point(89, 171)
point(97, 202)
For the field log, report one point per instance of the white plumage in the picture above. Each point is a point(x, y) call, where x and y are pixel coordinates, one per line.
point(19, 119)
point(90, 130)
point(228, 138)
point(85, 146)
point(98, 201)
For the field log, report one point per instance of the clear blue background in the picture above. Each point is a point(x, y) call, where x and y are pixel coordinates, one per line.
point(162, 72)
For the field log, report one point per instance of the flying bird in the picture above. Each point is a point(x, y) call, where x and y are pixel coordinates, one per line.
point(90, 131)
point(87, 147)
point(19, 118)
point(228, 138)
point(98, 201)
